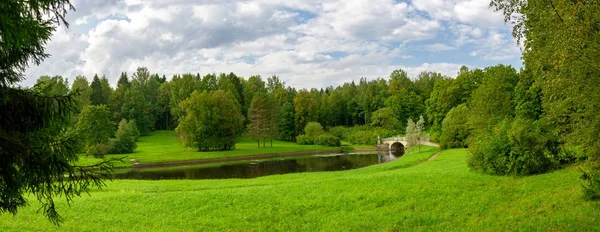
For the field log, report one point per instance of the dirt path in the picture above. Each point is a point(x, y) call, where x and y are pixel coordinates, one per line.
point(434, 156)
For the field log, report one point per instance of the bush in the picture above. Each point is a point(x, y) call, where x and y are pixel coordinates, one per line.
point(522, 147)
point(126, 136)
point(313, 129)
point(304, 140)
point(454, 129)
point(590, 177)
point(338, 131)
point(98, 150)
point(327, 140)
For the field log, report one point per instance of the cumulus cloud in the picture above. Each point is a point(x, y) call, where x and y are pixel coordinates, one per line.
point(306, 43)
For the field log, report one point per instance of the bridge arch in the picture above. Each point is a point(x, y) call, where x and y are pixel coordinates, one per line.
point(397, 147)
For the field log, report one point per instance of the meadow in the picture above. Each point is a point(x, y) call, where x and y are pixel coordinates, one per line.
point(410, 193)
point(164, 146)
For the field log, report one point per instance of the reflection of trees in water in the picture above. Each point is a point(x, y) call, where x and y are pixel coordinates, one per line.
point(387, 156)
point(253, 169)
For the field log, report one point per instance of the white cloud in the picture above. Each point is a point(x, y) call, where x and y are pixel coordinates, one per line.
point(306, 43)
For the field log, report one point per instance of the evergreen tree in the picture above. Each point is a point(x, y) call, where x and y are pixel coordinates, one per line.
point(38, 148)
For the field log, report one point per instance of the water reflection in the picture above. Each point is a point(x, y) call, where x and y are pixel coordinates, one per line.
point(256, 168)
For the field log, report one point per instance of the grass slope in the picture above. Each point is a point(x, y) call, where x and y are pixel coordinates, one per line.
point(407, 194)
point(163, 146)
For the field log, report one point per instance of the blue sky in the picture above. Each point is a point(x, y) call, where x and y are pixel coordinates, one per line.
point(306, 43)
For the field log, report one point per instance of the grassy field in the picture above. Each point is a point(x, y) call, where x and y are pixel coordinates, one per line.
point(407, 194)
point(163, 146)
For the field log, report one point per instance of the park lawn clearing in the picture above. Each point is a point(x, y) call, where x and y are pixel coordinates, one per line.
point(165, 146)
point(409, 194)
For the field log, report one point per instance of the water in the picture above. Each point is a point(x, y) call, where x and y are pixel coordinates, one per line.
point(257, 168)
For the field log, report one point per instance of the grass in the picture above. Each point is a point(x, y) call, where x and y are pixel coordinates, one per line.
point(409, 194)
point(163, 146)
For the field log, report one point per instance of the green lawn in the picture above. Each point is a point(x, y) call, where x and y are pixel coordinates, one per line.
point(162, 146)
point(409, 194)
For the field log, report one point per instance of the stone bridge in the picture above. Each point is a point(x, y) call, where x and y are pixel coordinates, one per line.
point(400, 143)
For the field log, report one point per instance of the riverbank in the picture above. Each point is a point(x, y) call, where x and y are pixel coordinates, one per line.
point(409, 194)
point(165, 147)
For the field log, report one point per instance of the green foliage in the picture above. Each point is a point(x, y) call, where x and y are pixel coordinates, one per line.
point(95, 127)
point(523, 147)
point(304, 140)
point(454, 128)
point(52, 86)
point(385, 118)
point(36, 144)
point(327, 140)
point(82, 89)
point(306, 109)
point(287, 124)
point(262, 118)
point(98, 96)
point(126, 135)
point(141, 100)
point(211, 121)
point(313, 129)
point(590, 177)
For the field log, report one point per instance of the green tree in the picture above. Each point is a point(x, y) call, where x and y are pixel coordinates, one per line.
point(37, 146)
point(412, 134)
point(420, 128)
point(98, 94)
point(141, 100)
point(211, 121)
point(305, 109)
point(82, 91)
point(287, 123)
point(385, 118)
point(106, 89)
point(454, 129)
point(313, 129)
point(117, 98)
point(95, 126)
point(254, 85)
point(52, 86)
point(258, 118)
point(126, 136)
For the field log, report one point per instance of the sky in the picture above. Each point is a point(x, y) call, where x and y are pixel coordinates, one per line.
point(306, 43)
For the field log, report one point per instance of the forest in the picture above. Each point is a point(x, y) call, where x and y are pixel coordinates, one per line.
point(534, 120)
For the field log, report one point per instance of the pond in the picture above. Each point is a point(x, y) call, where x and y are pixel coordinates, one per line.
point(264, 167)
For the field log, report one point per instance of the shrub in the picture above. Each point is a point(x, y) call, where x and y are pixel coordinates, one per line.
point(98, 150)
point(454, 129)
point(313, 129)
point(522, 147)
point(327, 140)
point(338, 131)
point(125, 138)
point(304, 140)
point(590, 177)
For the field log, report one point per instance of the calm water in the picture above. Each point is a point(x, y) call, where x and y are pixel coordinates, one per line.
point(256, 168)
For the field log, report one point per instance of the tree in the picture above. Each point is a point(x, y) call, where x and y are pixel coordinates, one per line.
point(97, 97)
point(95, 126)
point(38, 147)
point(313, 129)
point(126, 135)
point(52, 86)
point(82, 91)
point(412, 134)
point(211, 121)
point(117, 98)
point(305, 109)
point(287, 123)
point(420, 128)
point(141, 100)
point(258, 118)
point(384, 117)
point(454, 129)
